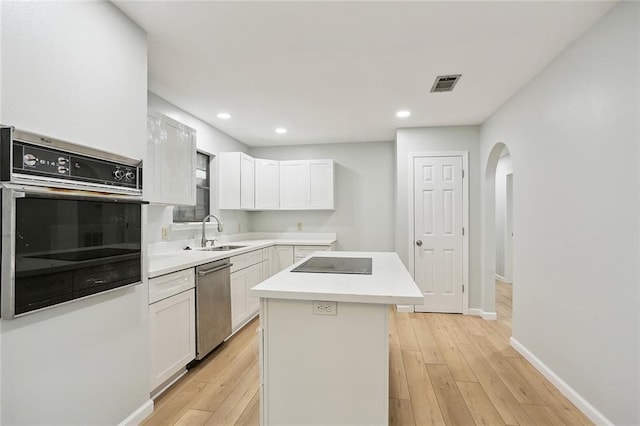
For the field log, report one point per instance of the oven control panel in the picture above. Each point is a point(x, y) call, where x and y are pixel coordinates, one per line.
point(34, 160)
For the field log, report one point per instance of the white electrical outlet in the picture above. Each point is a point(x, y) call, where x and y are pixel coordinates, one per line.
point(165, 233)
point(325, 308)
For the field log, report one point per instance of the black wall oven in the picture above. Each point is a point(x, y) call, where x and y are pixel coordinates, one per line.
point(71, 222)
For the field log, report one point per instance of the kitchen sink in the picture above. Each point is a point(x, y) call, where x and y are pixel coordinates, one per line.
point(220, 248)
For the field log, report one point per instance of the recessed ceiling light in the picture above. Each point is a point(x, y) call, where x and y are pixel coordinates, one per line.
point(281, 130)
point(403, 114)
point(224, 115)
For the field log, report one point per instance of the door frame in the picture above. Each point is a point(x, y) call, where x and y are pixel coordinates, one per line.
point(508, 229)
point(465, 216)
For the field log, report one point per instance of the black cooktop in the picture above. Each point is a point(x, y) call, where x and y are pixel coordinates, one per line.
point(336, 265)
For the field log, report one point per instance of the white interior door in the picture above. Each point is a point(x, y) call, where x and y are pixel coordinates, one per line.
point(438, 232)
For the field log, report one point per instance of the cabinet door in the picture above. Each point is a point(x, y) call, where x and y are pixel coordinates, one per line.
point(267, 184)
point(172, 324)
point(273, 261)
point(254, 276)
point(170, 169)
point(293, 185)
point(284, 256)
point(229, 178)
point(238, 297)
point(320, 184)
point(300, 252)
point(247, 182)
point(265, 269)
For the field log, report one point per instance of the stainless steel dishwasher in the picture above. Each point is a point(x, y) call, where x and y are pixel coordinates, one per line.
point(213, 306)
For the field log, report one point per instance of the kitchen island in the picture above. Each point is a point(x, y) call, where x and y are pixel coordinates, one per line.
point(324, 352)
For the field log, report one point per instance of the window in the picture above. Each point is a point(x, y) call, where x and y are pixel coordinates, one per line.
point(201, 209)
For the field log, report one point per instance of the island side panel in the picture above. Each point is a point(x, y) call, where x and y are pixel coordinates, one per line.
point(324, 369)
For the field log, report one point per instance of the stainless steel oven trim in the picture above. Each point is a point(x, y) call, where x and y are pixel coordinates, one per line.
point(7, 287)
point(7, 276)
point(74, 193)
point(20, 179)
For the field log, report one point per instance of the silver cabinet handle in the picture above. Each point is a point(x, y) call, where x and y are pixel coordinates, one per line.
point(419, 243)
point(217, 268)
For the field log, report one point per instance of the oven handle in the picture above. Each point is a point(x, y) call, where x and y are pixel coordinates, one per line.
point(38, 192)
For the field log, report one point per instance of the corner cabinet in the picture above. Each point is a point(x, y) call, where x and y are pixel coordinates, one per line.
point(246, 272)
point(267, 184)
point(237, 181)
point(258, 184)
point(169, 173)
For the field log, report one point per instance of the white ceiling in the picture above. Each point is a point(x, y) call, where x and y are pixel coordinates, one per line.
point(338, 71)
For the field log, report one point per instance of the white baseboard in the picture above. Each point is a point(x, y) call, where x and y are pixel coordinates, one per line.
point(404, 308)
point(583, 405)
point(483, 314)
point(139, 415)
point(168, 383)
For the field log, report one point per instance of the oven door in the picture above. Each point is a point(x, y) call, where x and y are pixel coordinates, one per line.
point(58, 247)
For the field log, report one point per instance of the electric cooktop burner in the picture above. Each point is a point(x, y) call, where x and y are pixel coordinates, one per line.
point(336, 265)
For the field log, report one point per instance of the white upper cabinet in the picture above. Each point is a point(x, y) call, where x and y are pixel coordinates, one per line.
point(306, 184)
point(293, 185)
point(237, 180)
point(256, 184)
point(267, 184)
point(169, 173)
point(320, 184)
point(247, 182)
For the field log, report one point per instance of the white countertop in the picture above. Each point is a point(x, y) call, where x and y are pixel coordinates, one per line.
point(389, 283)
point(176, 260)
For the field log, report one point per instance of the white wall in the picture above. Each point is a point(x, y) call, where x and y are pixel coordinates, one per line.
point(462, 138)
point(210, 140)
point(502, 170)
point(76, 71)
point(364, 201)
point(573, 134)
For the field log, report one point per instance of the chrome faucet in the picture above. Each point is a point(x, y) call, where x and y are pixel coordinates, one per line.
point(204, 241)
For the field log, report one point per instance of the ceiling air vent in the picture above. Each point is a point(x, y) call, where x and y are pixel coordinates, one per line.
point(445, 83)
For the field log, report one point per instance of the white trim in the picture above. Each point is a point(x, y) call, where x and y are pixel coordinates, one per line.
point(405, 308)
point(484, 315)
point(465, 216)
point(503, 279)
point(168, 383)
point(242, 324)
point(139, 415)
point(572, 395)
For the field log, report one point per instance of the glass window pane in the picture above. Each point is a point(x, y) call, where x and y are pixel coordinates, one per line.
point(202, 161)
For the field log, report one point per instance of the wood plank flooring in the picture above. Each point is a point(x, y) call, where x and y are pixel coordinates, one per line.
point(444, 370)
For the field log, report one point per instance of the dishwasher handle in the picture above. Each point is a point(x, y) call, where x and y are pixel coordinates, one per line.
point(215, 269)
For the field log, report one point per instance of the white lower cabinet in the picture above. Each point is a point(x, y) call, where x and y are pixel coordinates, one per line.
point(283, 258)
point(300, 252)
point(243, 305)
point(172, 335)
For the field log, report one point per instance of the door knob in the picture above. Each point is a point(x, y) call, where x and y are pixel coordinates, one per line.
point(419, 243)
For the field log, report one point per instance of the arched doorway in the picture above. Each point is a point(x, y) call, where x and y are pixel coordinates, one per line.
point(504, 237)
point(498, 235)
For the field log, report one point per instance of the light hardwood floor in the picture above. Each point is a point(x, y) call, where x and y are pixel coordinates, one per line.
point(444, 369)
